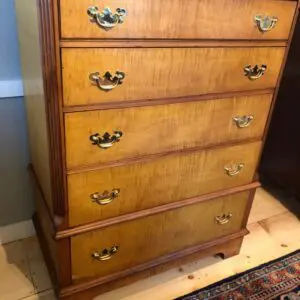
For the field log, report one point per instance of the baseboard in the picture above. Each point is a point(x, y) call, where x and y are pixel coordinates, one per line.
point(16, 231)
point(11, 88)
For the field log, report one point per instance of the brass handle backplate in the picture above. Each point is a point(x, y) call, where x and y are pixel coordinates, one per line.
point(233, 169)
point(265, 23)
point(243, 121)
point(105, 254)
point(106, 19)
point(107, 140)
point(108, 81)
point(223, 219)
point(106, 197)
point(255, 72)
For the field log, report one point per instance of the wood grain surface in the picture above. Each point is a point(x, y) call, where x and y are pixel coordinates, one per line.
point(153, 73)
point(155, 236)
point(161, 181)
point(177, 19)
point(163, 128)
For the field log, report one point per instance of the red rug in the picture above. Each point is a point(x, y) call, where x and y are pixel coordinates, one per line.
point(278, 279)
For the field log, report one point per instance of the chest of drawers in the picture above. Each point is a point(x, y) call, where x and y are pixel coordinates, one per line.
point(146, 123)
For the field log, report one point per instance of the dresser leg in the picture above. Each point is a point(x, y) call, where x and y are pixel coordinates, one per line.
point(231, 249)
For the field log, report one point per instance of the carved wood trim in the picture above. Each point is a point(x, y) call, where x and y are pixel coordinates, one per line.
point(49, 40)
point(51, 76)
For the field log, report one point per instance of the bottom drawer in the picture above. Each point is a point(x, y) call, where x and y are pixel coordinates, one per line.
point(142, 240)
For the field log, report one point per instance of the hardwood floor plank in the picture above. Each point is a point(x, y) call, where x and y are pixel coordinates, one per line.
point(15, 275)
point(265, 206)
point(283, 228)
point(39, 273)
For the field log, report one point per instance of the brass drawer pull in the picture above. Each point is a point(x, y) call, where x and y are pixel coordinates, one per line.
point(265, 23)
point(223, 219)
point(108, 81)
point(105, 254)
point(106, 197)
point(234, 169)
point(255, 72)
point(243, 121)
point(106, 19)
point(106, 141)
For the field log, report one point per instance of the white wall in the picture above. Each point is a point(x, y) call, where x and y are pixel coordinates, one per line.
point(10, 73)
point(9, 53)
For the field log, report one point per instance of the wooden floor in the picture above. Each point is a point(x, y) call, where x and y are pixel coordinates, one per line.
point(274, 231)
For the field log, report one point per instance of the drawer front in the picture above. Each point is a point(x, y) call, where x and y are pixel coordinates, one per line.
point(163, 128)
point(177, 19)
point(101, 194)
point(145, 239)
point(152, 73)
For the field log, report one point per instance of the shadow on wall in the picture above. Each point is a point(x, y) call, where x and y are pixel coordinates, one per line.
point(16, 203)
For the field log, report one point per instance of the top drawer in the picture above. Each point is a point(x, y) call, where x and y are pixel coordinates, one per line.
point(177, 19)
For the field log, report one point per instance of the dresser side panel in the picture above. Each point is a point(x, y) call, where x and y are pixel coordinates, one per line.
point(34, 93)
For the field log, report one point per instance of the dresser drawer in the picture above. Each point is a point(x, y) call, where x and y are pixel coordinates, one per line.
point(177, 19)
point(101, 194)
point(163, 128)
point(147, 73)
point(145, 239)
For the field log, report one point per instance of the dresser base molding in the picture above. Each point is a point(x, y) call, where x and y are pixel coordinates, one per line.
point(56, 253)
point(226, 247)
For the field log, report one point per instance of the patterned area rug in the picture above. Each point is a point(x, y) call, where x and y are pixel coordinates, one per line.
point(278, 279)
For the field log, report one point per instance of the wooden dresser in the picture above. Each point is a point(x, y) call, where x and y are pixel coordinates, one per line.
point(146, 123)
